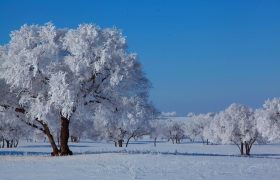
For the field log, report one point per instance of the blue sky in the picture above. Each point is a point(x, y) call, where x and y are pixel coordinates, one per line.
point(200, 55)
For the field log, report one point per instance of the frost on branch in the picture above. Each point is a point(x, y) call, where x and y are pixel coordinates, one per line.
point(65, 75)
point(268, 119)
point(236, 124)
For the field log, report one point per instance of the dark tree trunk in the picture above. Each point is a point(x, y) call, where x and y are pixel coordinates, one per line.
point(207, 141)
point(74, 139)
point(11, 143)
point(242, 148)
point(64, 136)
point(8, 143)
point(45, 130)
point(177, 140)
point(51, 140)
point(128, 141)
point(120, 142)
point(248, 148)
point(155, 142)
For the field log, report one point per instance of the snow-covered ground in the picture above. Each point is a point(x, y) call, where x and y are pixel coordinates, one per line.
point(141, 160)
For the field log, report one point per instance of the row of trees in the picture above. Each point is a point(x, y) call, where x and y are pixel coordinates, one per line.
point(237, 124)
point(80, 79)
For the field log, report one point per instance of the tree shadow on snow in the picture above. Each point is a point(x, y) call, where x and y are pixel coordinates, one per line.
point(124, 151)
point(76, 145)
point(36, 146)
point(23, 153)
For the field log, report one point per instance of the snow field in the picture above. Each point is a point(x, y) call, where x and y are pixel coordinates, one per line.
point(142, 161)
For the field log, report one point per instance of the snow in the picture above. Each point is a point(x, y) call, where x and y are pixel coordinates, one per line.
point(140, 160)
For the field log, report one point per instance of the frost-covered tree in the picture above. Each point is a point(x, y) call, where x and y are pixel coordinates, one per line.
point(268, 120)
point(175, 131)
point(209, 132)
point(167, 128)
point(11, 131)
point(132, 120)
point(196, 126)
point(236, 124)
point(159, 129)
point(63, 75)
point(137, 117)
point(12, 127)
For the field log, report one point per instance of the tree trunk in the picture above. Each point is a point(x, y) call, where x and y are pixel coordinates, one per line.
point(11, 143)
point(128, 141)
point(8, 143)
point(74, 139)
point(248, 148)
point(242, 148)
point(64, 136)
point(57, 137)
point(16, 143)
point(51, 140)
point(120, 142)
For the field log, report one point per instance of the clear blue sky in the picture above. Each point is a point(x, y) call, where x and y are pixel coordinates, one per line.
point(200, 55)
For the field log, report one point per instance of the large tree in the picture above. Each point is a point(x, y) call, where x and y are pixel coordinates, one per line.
point(63, 75)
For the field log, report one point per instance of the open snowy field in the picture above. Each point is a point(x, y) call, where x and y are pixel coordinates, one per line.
point(141, 160)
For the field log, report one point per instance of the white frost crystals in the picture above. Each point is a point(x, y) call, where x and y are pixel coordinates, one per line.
point(66, 74)
point(268, 119)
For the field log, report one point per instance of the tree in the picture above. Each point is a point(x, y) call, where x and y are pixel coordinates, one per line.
point(108, 125)
point(132, 120)
point(175, 131)
point(268, 120)
point(12, 128)
point(197, 124)
point(158, 130)
point(237, 124)
point(63, 75)
point(137, 114)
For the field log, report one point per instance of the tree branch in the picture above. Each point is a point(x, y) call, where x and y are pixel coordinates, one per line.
point(34, 126)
